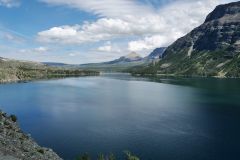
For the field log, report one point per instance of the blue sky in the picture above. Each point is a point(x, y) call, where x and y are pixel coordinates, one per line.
point(80, 31)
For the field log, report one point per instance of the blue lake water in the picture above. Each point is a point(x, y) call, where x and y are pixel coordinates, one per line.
point(160, 119)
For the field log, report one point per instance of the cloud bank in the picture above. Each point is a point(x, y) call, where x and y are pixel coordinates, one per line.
point(153, 27)
point(9, 3)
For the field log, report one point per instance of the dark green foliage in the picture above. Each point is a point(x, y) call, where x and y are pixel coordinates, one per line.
point(41, 151)
point(85, 156)
point(129, 156)
point(111, 157)
point(13, 118)
point(101, 157)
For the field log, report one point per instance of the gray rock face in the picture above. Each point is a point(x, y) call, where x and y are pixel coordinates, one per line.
point(15, 145)
point(224, 10)
point(212, 49)
point(132, 57)
point(220, 31)
point(157, 53)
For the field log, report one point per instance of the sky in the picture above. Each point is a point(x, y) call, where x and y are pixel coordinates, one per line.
point(90, 31)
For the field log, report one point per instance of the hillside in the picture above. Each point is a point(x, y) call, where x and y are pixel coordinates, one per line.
point(157, 53)
point(125, 62)
point(16, 145)
point(13, 70)
point(212, 49)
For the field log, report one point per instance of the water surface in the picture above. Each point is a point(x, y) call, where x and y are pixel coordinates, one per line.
point(160, 119)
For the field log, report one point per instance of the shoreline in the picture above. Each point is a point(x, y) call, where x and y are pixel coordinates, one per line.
point(182, 76)
point(49, 77)
point(17, 145)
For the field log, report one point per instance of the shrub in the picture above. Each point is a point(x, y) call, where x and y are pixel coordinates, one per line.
point(85, 156)
point(129, 156)
point(13, 118)
point(111, 157)
point(41, 151)
point(101, 157)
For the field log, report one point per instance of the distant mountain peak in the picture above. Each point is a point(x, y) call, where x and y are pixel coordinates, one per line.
point(132, 55)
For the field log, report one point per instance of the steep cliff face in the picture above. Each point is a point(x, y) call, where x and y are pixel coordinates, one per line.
point(156, 53)
point(16, 145)
point(211, 49)
point(220, 31)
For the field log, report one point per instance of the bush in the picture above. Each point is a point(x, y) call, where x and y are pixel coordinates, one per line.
point(101, 157)
point(41, 151)
point(111, 157)
point(129, 156)
point(85, 156)
point(13, 118)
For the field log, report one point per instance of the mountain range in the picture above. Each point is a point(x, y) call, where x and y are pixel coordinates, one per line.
point(125, 62)
point(15, 70)
point(132, 59)
point(212, 49)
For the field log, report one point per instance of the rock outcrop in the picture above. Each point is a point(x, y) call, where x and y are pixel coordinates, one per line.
point(16, 145)
point(156, 53)
point(212, 49)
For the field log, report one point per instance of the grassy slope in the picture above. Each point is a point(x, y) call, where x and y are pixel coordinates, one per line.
point(119, 67)
point(206, 64)
point(12, 70)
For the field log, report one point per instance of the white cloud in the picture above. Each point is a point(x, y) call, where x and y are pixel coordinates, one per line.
point(10, 3)
point(107, 48)
point(38, 50)
point(41, 49)
point(148, 43)
point(72, 54)
point(124, 18)
point(7, 36)
point(105, 8)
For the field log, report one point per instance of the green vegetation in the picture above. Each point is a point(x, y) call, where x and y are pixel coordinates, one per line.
point(210, 50)
point(41, 151)
point(13, 118)
point(113, 67)
point(85, 156)
point(12, 70)
point(128, 156)
point(199, 64)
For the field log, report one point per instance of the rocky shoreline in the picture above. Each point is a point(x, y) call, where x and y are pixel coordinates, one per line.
point(16, 145)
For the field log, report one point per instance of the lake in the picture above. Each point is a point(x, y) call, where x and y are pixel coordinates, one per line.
point(156, 119)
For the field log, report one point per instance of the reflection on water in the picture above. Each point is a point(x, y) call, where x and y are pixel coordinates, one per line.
point(180, 119)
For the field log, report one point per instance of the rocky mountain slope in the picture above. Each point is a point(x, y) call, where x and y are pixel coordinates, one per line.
point(16, 145)
point(120, 64)
point(132, 57)
point(125, 62)
point(157, 53)
point(212, 49)
point(13, 70)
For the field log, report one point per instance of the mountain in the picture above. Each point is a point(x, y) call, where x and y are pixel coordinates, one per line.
point(156, 53)
point(212, 49)
point(55, 64)
point(125, 62)
point(132, 57)
point(14, 70)
point(120, 64)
